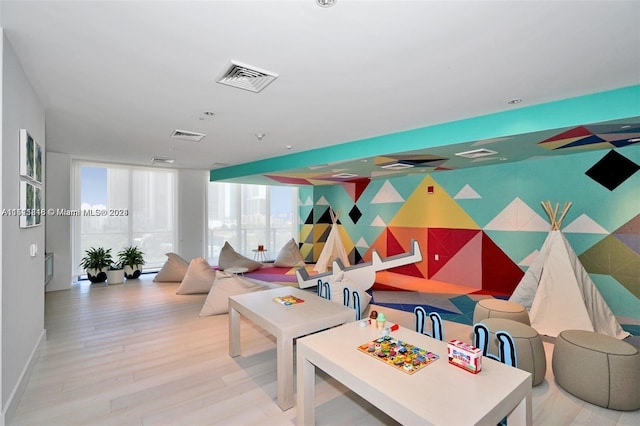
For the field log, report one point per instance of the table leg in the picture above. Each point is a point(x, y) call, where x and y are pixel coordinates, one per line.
point(522, 414)
point(306, 397)
point(284, 355)
point(234, 332)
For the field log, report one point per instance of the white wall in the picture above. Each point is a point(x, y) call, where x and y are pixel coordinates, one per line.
point(2, 421)
point(192, 191)
point(58, 228)
point(22, 317)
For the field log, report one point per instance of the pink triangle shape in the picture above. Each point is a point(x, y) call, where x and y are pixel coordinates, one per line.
point(465, 266)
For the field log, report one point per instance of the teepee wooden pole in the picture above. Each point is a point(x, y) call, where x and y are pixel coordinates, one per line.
point(556, 221)
point(566, 208)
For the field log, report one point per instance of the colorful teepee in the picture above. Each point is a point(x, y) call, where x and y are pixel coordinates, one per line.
point(333, 247)
point(559, 292)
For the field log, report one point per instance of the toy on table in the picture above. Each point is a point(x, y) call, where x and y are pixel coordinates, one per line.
point(380, 320)
point(399, 354)
point(465, 356)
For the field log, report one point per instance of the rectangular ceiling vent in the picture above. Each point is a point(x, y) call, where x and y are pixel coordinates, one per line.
point(397, 166)
point(476, 153)
point(162, 160)
point(246, 77)
point(219, 165)
point(344, 175)
point(186, 135)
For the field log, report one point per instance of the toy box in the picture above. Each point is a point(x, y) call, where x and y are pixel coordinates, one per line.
point(465, 356)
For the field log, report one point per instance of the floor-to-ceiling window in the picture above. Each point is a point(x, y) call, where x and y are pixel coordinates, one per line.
point(120, 206)
point(250, 215)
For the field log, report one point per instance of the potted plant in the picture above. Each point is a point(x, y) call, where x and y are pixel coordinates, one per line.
point(132, 260)
point(96, 261)
point(115, 273)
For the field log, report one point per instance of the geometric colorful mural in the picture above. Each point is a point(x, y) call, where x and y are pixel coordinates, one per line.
point(479, 229)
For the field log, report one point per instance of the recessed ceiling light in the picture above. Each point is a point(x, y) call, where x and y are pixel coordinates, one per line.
point(288, 146)
point(326, 3)
point(344, 175)
point(260, 136)
point(207, 115)
point(514, 101)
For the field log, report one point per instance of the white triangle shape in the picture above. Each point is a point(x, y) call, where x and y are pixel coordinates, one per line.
point(584, 224)
point(466, 193)
point(378, 222)
point(387, 194)
point(308, 202)
point(322, 201)
point(518, 216)
point(362, 243)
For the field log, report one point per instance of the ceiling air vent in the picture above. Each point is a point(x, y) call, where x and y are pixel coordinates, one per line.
point(187, 136)
point(476, 153)
point(397, 166)
point(162, 160)
point(218, 165)
point(246, 77)
point(344, 175)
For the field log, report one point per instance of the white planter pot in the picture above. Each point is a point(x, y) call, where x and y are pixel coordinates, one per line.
point(115, 276)
point(97, 275)
point(131, 273)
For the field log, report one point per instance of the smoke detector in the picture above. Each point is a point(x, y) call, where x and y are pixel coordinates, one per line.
point(246, 77)
point(482, 152)
point(187, 135)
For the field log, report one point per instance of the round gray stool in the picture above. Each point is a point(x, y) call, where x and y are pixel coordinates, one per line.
point(529, 349)
point(497, 308)
point(597, 368)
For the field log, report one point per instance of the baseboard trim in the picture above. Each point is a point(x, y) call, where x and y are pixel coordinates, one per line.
point(12, 403)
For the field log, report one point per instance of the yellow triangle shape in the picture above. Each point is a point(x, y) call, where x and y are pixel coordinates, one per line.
point(436, 210)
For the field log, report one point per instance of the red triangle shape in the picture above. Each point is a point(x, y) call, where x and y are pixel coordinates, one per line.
point(355, 188)
point(499, 273)
point(393, 246)
point(576, 132)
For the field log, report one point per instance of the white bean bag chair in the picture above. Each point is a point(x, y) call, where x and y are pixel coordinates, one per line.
point(229, 258)
point(173, 270)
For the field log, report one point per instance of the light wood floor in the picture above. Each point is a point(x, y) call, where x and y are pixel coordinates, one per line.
point(138, 354)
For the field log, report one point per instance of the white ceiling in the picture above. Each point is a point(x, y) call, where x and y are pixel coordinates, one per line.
point(116, 78)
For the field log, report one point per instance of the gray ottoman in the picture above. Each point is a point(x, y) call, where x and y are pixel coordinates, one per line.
point(597, 368)
point(529, 349)
point(497, 308)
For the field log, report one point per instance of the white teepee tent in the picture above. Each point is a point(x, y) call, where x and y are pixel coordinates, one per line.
point(333, 247)
point(559, 292)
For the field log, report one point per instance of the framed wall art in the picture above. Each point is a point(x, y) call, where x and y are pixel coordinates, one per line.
point(27, 204)
point(31, 179)
point(27, 155)
point(37, 162)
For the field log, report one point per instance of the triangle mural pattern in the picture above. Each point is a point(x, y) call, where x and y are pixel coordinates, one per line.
point(478, 233)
